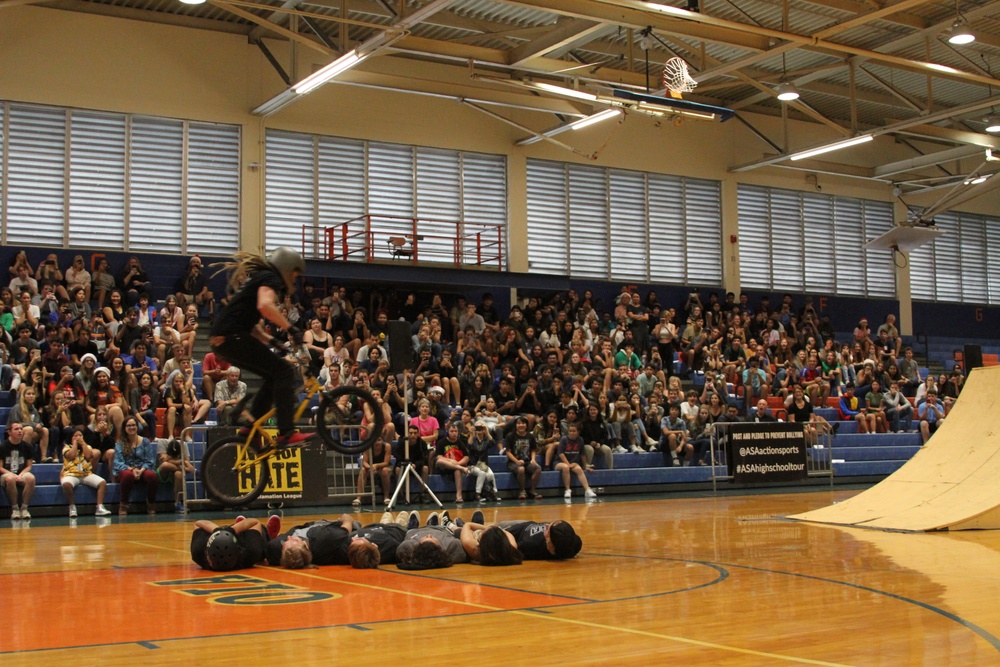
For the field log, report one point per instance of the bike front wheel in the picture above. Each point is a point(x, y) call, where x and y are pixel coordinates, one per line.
point(223, 482)
point(340, 416)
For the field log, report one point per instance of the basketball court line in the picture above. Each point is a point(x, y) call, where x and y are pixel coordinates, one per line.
point(533, 613)
point(540, 612)
point(982, 632)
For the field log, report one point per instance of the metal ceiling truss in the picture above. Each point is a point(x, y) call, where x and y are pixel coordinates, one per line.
point(737, 51)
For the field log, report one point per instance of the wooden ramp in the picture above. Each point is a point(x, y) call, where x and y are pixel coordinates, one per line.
point(950, 484)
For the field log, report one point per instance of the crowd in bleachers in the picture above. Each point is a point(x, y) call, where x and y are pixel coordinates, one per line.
point(615, 370)
point(89, 353)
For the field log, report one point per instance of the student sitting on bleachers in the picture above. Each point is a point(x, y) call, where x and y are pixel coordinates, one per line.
point(931, 414)
point(135, 461)
point(77, 469)
point(16, 460)
point(898, 409)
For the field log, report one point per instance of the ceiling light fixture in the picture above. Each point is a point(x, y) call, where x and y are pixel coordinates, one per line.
point(787, 92)
point(560, 90)
point(596, 118)
point(193, 2)
point(959, 33)
point(575, 125)
point(992, 124)
point(321, 76)
point(864, 138)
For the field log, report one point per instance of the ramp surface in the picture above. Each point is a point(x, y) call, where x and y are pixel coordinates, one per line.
point(952, 483)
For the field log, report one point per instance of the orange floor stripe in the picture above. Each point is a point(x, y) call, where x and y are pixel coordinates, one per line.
point(204, 604)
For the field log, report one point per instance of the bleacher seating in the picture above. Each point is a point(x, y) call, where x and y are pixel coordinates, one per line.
point(854, 455)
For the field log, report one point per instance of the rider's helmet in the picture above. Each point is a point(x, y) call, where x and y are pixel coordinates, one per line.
point(223, 551)
point(286, 260)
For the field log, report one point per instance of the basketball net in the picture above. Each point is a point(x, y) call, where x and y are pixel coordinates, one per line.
point(676, 78)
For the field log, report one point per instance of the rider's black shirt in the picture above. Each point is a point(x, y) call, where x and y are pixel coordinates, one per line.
point(241, 315)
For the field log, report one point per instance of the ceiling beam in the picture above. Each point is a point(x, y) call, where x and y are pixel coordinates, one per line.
point(6, 4)
point(639, 16)
point(274, 17)
point(260, 20)
point(948, 134)
point(929, 160)
point(566, 32)
point(810, 42)
point(899, 126)
point(500, 58)
point(149, 16)
point(901, 18)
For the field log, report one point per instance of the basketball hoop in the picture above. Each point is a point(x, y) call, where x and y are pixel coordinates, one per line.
point(676, 78)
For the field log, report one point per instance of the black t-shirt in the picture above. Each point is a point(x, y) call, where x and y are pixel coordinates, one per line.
point(21, 348)
point(801, 415)
point(251, 542)
point(386, 536)
point(530, 537)
point(78, 349)
point(98, 441)
point(444, 445)
point(328, 543)
point(418, 451)
point(241, 315)
point(521, 446)
point(126, 336)
point(15, 457)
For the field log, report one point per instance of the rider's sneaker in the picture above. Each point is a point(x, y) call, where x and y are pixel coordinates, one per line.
point(292, 439)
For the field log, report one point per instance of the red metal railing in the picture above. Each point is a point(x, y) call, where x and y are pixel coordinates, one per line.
point(378, 238)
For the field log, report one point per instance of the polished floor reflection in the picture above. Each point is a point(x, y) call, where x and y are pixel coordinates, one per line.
point(705, 580)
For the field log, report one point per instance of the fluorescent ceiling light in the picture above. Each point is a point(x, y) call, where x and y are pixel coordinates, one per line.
point(193, 2)
point(942, 68)
point(321, 76)
point(559, 90)
point(667, 9)
point(832, 147)
point(787, 92)
point(596, 118)
point(975, 181)
point(575, 125)
point(960, 34)
point(992, 124)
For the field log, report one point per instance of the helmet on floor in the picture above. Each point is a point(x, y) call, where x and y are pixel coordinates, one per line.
point(223, 551)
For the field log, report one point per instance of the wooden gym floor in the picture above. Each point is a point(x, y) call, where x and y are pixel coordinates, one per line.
point(660, 581)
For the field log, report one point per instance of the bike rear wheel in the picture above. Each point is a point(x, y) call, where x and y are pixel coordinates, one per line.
point(223, 482)
point(338, 420)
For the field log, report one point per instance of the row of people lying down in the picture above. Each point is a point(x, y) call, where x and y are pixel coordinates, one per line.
point(442, 542)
